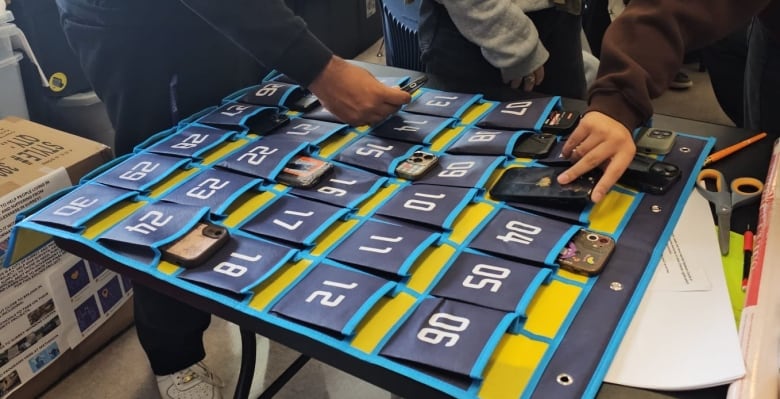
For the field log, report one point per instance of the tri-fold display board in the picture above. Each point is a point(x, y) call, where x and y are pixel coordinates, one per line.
point(432, 278)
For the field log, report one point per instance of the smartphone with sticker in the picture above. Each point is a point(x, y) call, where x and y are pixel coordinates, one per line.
point(196, 246)
point(561, 122)
point(416, 165)
point(655, 141)
point(587, 253)
point(532, 185)
point(536, 145)
point(304, 171)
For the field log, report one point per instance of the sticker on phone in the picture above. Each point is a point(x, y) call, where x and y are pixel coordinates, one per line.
point(587, 253)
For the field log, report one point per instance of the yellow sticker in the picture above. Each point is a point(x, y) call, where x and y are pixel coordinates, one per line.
point(57, 82)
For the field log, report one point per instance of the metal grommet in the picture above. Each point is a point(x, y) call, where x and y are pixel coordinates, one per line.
point(616, 286)
point(685, 149)
point(565, 379)
point(656, 209)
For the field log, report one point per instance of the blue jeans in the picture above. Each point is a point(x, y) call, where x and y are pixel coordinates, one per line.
point(762, 81)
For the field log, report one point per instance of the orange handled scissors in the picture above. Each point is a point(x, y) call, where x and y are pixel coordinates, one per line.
point(743, 191)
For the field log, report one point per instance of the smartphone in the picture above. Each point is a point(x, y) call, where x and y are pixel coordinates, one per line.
point(306, 102)
point(561, 122)
point(416, 165)
point(655, 141)
point(540, 186)
point(196, 246)
point(650, 175)
point(587, 253)
point(304, 171)
point(537, 145)
point(266, 124)
point(414, 84)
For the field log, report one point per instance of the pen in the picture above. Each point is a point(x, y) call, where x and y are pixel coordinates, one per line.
point(717, 156)
point(748, 246)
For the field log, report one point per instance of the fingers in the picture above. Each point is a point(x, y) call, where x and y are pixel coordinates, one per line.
point(529, 82)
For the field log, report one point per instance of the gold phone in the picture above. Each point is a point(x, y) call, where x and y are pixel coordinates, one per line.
point(587, 253)
point(196, 246)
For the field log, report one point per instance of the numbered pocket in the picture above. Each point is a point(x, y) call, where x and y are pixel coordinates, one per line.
point(491, 282)
point(470, 171)
point(294, 220)
point(241, 264)
point(264, 157)
point(376, 154)
point(442, 103)
point(344, 186)
point(520, 115)
point(269, 94)
point(524, 236)
point(384, 247)
point(310, 131)
point(73, 210)
point(189, 142)
point(435, 206)
point(213, 188)
point(139, 172)
point(414, 128)
point(333, 297)
point(244, 118)
point(480, 141)
point(449, 335)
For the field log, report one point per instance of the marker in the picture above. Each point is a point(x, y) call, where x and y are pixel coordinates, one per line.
point(717, 156)
point(748, 247)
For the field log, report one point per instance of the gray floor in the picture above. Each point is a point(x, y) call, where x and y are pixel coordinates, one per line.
point(121, 370)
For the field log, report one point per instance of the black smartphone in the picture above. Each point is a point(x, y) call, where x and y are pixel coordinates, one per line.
point(587, 253)
point(655, 141)
point(304, 171)
point(416, 165)
point(650, 175)
point(306, 102)
point(196, 246)
point(536, 145)
point(561, 122)
point(540, 186)
point(414, 84)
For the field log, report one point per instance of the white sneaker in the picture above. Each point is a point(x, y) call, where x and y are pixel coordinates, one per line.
point(195, 382)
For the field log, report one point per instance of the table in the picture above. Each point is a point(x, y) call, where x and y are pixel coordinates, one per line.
point(400, 383)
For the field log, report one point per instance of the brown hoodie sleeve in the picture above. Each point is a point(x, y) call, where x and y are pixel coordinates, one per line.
point(644, 47)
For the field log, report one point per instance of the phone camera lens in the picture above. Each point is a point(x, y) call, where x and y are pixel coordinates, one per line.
point(418, 154)
point(416, 159)
point(592, 237)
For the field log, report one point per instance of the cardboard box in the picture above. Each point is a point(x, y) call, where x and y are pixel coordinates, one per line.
point(45, 295)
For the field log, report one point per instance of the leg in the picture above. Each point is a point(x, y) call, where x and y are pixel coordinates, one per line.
point(762, 81)
point(725, 63)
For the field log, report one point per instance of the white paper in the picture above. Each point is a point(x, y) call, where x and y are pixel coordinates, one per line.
point(683, 335)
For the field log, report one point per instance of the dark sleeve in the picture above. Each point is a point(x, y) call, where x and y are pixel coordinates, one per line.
point(644, 47)
point(270, 32)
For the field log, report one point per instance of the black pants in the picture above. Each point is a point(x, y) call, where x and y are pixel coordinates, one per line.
point(150, 67)
point(450, 56)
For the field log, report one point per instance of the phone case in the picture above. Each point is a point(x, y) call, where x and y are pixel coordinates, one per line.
point(417, 165)
point(587, 253)
point(534, 185)
point(196, 246)
point(650, 175)
point(304, 171)
point(536, 145)
point(655, 141)
point(561, 122)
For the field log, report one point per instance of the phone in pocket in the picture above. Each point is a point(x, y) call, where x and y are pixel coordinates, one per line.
point(655, 141)
point(536, 145)
point(650, 175)
point(587, 253)
point(539, 185)
point(304, 171)
point(196, 246)
point(561, 122)
point(416, 165)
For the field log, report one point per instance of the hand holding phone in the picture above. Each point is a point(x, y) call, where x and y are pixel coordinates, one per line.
point(196, 246)
point(587, 253)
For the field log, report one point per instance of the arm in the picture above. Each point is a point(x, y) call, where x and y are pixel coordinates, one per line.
point(270, 32)
point(508, 38)
point(642, 50)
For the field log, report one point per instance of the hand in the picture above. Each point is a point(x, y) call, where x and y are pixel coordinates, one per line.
point(353, 95)
point(530, 81)
point(598, 141)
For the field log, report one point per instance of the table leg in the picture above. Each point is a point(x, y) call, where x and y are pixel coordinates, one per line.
point(248, 358)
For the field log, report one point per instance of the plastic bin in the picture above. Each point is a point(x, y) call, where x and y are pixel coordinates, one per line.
point(6, 31)
point(12, 99)
point(82, 114)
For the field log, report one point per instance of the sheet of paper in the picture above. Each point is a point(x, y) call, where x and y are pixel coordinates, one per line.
point(683, 335)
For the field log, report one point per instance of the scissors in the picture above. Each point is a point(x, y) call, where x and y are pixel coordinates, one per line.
point(743, 191)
